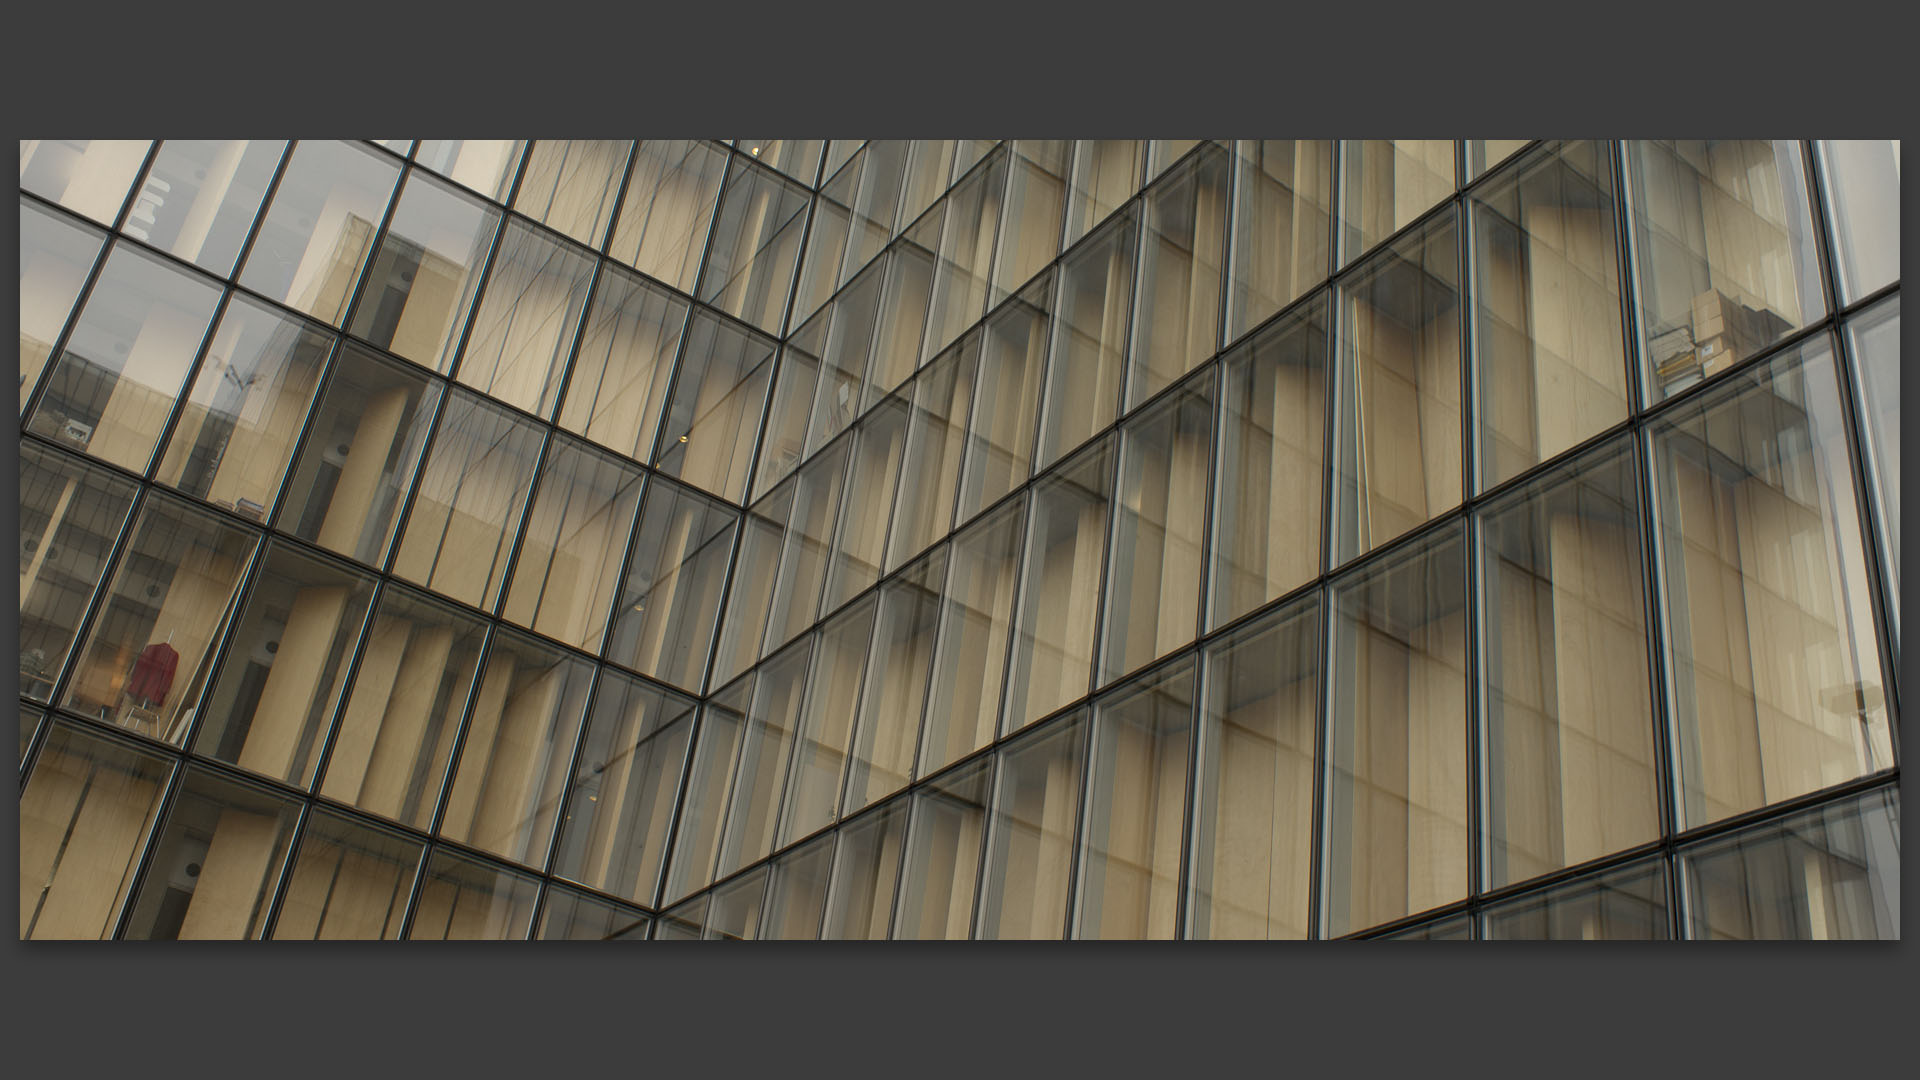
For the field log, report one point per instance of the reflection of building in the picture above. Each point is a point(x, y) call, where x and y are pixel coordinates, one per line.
point(942, 538)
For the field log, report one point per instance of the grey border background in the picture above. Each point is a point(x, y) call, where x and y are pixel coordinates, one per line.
point(1131, 68)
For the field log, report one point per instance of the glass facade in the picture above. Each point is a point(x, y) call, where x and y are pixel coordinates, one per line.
point(915, 539)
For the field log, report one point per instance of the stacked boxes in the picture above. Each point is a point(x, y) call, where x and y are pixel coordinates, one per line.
point(1725, 331)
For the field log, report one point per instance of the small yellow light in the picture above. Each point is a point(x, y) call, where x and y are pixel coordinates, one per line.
point(683, 438)
point(754, 150)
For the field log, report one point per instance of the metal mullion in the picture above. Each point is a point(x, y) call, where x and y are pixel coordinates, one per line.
point(376, 239)
point(605, 245)
point(1478, 873)
point(277, 894)
point(552, 849)
point(670, 845)
point(860, 697)
point(1318, 876)
point(142, 863)
point(1076, 862)
point(1183, 871)
point(222, 644)
point(436, 817)
point(1669, 772)
point(519, 174)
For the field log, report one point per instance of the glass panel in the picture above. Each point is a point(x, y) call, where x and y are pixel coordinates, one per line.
point(283, 676)
point(1724, 252)
point(866, 868)
point(112, 388)
point(975, 620)
point(1129, 881)
point(1484, 154)
point(896, 682)
point(577, 530)
point(1397, 414)
point(1388, 183)
point(797, 895)
point(55, 255)
point(425, 273)
point(663, 625)
point(664, 216)
point(1569, 755)
point(1546, 314)
point(696, 838)
point(217, 861)
point(803, 561)
point(784, 435)
point(1153, 582)
point(841, 338)
point(756, 247)
point(147, 658)
point(1271, 471)
point(236, 434)
point(715, 410)
point(472, 491)
point(839, 152)
point(620, 376)
point(869, 501)
point(1832, 873)
point(1089, 340)
point(402, 147)
point(1452, 928)
point(85, 812)
point(71, 512)
point(1013, 352)
point(29, 724)
point(349, 882)
point(942, 866)
point(87, 176)
point(904, 309)
point(1251, 867)
point(1060, 593)
point(1036, 800)
point(523, 330)
point(518, 746)
point(966, 255)
point(1162, 153)
point(395, 735)
point(936, 431)
point(1106, 173)
point(684, 923)
point(484, 165)
point(1184, 247)
point(1030, 229)
point(614, 833)
point(768, 744)
point(464, 899)
point(812, 797)
point(200, 198)
point(1777, 687)
point(735, 911)
point(750, 597)
point(1396, 839)
point(570, 916)
point(360, 456)
point(1873, 337)
point(1282, 227)
point(571, 184)
point(315, 236)
point(798, 158)
point(853, 220)
point(929, 171)
point(1629, 904)
point(1863, 196)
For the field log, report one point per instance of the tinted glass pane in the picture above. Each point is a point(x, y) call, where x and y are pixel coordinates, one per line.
point(216, 863)
point(1830, 873)
point(85, 812)
point(199, 200)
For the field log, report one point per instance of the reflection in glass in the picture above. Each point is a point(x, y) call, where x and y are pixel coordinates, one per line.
point(235, 437)
point(464, 899)
point(1862, 179)
point(1831, 873)
point(85, 812)
point(425, 273)
point(199, 199)
point(872, 477)
point(112, 388)
point(620, 375)
point(735, 912)
point(1397, 414)
point(803, 560)
point(1282, 226)
point(1485, 154)
point(942, 865)
point(707, 436)
point(487, 166)
point(1000, 430)
point(1628, 904)
point(668, 206)
point(1130, 841)
point(896, 682)
point(576, 534)
point(866, 868)
point(772, 723)
point(1030, 230)
point(1153, 582)
point(1251, 866)
point(216, 863)
point(797, 894)
point(1053, 649)
point(812, 798)
point(150, 651)
point(696, 837)
point(1089, 339)
point(1724, 254)
point(570, 184)
point(87, 176)
point(1387, 184)
point(523, 331)
point(349, 881)
point(71, 513)
point(663, 624)
point(1182, 252)
point(963, 701)
point(55, 255)
point(1551, 371)
point(1106, 173)
point(684, 923)
point(798, 158)
point(359, 457)
point(755, 247)
point(566, 915)
point(1397, 750)
point(1036, 800)
point(315, 236)
point(613, 834)
point(750, 596)
point(853, 220)
point(395, 735)
point(1777, 688)
point(283, 676)
point(936, 432)
point(1569, 755)
point(1873, 338)
point(960, 282)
